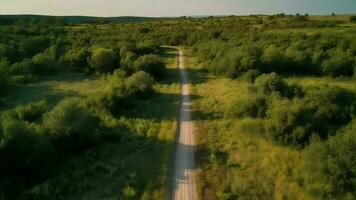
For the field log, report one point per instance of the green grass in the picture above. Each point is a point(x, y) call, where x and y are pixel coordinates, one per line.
point(313, 82)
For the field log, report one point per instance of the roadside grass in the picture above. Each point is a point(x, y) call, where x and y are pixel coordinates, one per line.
point(232, 155)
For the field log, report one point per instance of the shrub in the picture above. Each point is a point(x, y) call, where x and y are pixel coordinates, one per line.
point(151, 64)
point(290, 122)
point(147, 47)
point(251, 75)
point(25, 156)
point(333, 107)
point(103, 60)
point(4, 66)
point(330, 166)
point(254, 106)
point(24, 67)
point(44, 64)
point(4, 84)
point(77, 58)
point(31, 112)
point(33, 45)
point(339, 64)
point(353, 18)
point(71, 125)
point(269, 83)
point(272, 58)
point(127, 59)
point(139, 84)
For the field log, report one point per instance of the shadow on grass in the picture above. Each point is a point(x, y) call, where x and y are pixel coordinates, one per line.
point(197, 76)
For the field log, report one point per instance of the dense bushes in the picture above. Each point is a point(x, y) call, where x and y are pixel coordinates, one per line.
point(320, 112)
point(293, 115)
point(122, 93)
point(330, 172)
point(340, 63)
point(318, 54)
point(34, 137)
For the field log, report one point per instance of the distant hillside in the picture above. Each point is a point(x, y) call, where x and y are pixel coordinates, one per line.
point(9, 19)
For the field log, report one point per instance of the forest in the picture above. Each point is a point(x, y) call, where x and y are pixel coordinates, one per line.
point(89, 109)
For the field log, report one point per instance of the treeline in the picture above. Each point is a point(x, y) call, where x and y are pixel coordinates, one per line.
point(315, 54)
point(28, 53)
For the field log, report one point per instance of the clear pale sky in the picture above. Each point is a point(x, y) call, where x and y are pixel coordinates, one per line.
point(174, 7)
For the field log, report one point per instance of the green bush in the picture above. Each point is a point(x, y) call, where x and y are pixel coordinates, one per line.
point(290, 122)
point(139, 84)
point(255, 106)
point(77, 58)
point(333, 107)
point(4, 84)
point(44, 64)
point(147, 47)
point(151, 64)
point(24, 67)
point(103, 60)
point(251, 75)
point(72, 126)
point(31, 112)
point(269, 83)
point(272, 58)
point(353, 18)
point(339, 64)
point(25, 154)
point(330, 166)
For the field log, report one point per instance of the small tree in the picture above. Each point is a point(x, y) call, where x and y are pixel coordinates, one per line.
point(353, 18)
point(151, 64)
point(139, 84)
point(72, 127)
point(103, 60)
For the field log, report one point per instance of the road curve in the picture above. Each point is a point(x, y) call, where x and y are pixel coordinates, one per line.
point(183, 185)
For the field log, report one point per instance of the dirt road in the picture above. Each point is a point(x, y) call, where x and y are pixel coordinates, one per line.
point(183, 186)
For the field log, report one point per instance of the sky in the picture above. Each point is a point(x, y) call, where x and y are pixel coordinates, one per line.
point(157, 8)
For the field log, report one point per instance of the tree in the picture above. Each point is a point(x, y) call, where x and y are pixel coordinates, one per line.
point(71, 125)
point(340, 63)
point(289, 122)
point(44, 64)
point(77, 58)
point(139, 84)
point(103, 60)
point(151, 64)
point(271, 58)
point(269, 83)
